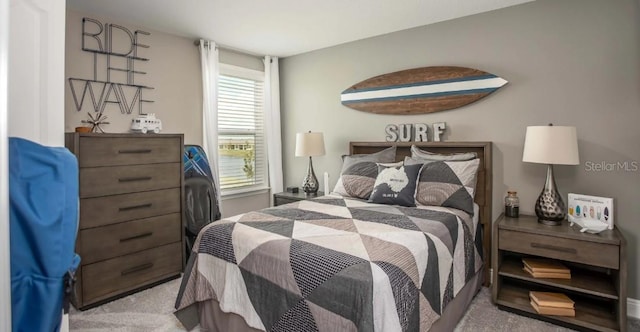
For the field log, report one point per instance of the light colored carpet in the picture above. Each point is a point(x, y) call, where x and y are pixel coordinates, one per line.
point(152, 310)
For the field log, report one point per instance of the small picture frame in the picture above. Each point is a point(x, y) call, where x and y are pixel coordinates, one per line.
point(582, 207)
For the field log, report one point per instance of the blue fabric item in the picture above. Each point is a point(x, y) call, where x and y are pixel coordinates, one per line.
point(196, 162)
point(200, 192)
point(43, 190)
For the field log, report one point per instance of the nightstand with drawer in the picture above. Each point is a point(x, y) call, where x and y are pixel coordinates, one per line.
point(130, 234)
point(598, 283)
point(287, 197)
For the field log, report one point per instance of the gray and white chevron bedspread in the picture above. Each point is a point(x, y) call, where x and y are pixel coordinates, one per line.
point(334, 264)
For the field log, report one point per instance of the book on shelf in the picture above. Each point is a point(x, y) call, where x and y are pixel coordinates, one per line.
point(553, 311)
point(551, 300)
point(551, 275)
point(545, 265)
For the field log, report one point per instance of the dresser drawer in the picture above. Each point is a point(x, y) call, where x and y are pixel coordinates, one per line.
point(116, 151)
point(101, 211)
point(598, 254)
point(103, 181)
point(100, 243)
point(281, 201)
point(104, 279)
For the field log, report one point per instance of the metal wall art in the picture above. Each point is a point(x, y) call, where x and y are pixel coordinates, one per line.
point(418, 132)
point(111, 58)
point(96, 121)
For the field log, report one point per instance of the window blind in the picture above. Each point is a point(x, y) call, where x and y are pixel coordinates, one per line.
point(241, 136)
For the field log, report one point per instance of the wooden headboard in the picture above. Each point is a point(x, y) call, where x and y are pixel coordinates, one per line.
point(483, 195)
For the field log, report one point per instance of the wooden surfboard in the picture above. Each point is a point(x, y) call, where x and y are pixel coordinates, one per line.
point(421, 90)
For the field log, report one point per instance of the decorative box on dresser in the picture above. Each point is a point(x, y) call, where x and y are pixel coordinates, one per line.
point(131, 233)
point(598, 264)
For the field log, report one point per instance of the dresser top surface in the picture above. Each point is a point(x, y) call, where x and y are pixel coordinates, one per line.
point(530, 224)
point(148, 135)
point(299, 195)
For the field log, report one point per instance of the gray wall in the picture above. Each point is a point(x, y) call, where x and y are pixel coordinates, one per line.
point(571, 62)
point(174, 72)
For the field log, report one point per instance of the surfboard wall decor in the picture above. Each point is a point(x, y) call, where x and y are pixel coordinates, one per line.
point(421, 90)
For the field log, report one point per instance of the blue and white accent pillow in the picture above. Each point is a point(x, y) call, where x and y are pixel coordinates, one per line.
point(395, 185)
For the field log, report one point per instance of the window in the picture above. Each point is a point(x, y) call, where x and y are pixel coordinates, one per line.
point(241, 139)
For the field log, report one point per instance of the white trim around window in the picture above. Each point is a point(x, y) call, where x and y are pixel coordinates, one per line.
point(241, 131)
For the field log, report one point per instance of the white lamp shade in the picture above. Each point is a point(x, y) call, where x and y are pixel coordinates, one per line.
point(309, 144)
point(556, 145)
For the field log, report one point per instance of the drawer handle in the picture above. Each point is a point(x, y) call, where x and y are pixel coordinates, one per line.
point(135, 207)
point(141, 178)
point(552, 247)
point(136, 269)
point(136, 237)
point(135, 151)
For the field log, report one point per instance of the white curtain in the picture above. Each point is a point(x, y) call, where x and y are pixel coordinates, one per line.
point(210, 68)
point(272, 119)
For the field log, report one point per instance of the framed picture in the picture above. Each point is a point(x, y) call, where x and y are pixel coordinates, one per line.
point(590, 207)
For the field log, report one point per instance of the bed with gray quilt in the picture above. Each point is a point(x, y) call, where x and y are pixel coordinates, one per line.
point(334, 263)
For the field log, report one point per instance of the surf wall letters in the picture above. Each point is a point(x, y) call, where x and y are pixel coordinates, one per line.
point(421, 90)
point(115, 52)
point(417, 132)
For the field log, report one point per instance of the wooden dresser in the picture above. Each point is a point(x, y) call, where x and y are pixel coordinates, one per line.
point(131, 233)
point(598, 264)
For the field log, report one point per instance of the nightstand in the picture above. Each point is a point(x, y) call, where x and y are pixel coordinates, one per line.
point(598, 264)
point(287, 197)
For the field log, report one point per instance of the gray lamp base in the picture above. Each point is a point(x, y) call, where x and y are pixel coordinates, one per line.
point(550, 207)
point(549, 222)
point(310, 183)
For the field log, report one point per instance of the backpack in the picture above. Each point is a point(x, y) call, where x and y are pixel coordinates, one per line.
point(43, 203)
point(201, 206)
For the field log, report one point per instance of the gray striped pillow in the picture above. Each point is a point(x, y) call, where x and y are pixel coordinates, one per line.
point(420, 154)
point(359, 173)
point(448, 183)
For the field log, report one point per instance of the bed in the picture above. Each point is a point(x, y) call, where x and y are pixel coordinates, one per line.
point(343, 264)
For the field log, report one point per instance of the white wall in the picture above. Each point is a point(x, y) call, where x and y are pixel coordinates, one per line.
point(242, 203)
point(570, 62)
point(36, 71)
point(5, 271)
point(240, 59)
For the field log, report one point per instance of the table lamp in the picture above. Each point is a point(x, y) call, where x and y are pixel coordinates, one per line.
point(310, 145)
point(551, 145)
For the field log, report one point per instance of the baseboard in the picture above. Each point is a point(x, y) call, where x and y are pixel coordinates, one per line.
point(633, 308)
